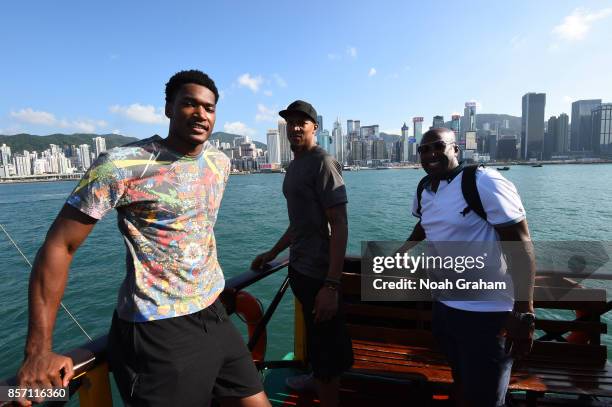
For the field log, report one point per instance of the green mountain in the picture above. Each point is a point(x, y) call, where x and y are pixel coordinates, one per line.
point(30, 142)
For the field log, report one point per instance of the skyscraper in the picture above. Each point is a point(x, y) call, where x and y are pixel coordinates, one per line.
point(5, 155)
point(532, 125)
point(84, 156)
point(405, 143)
point(320, 141)
point(338, 142)
point(456, 125)
point(274, 155)
point(468, 121)
point(551, 137)
point(438, 121)
point(350, 127)
point(417, 135)
point(285, 147)
point(563, 134)
point(602, 129)
point(582, 128)
point(100, 145)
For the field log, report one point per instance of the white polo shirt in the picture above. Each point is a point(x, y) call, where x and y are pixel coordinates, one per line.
point(443, 221)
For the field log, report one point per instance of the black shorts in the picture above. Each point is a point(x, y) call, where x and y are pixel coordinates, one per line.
point(328, 343)
point(185, 360)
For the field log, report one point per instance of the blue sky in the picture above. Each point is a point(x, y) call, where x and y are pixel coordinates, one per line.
point(101, 67)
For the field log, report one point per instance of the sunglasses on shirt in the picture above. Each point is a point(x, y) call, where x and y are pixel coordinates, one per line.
point(436, 146)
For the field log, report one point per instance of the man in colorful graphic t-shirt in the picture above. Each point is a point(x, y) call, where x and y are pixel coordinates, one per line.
point(170, 342)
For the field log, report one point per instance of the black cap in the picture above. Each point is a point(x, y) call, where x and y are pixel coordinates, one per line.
point(301, 107)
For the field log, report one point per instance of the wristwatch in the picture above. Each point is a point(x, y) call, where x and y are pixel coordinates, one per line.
point(526, 318)
point(333, 285)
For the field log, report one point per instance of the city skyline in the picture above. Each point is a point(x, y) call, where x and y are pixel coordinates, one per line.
point(384, 72)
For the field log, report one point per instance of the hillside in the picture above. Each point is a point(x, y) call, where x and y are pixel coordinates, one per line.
point(30, 142)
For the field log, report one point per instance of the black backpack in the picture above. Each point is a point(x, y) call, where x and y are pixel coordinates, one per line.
point(468, 188)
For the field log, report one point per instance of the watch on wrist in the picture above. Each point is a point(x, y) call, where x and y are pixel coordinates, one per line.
point(332, 284)
point(526, 318)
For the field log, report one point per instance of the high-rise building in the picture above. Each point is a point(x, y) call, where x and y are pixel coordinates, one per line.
point(468, 121)
point(563, 134)
point(325, 141)
point(369, 132)
point(84, 156)
point(551, 137)
point(100, 145)
point(602, 129)
point(338, 142)
point(5, 155)
point(405, 143)
point(470, 141)
point(438, 121)
point(273, 146)
point(456, 125)
point(417, 135)
point(581, 126)
point(357, 126)
point(379, 150)
point(350, 126)
point(506, 148)
point(532, 125)
point(318, 136)
point(286, 154)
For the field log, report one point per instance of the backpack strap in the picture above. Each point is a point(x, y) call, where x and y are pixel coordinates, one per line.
point(470, 191)
point(420, 189)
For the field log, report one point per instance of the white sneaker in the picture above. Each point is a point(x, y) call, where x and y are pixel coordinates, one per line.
point(302, 383)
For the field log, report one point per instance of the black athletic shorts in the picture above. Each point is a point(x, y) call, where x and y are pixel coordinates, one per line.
point(328, 343)
point(186, 360)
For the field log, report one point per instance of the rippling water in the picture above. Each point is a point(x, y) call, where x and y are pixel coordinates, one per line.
point(563, 202)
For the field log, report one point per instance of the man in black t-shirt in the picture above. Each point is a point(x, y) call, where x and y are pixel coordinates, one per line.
point(317, 237)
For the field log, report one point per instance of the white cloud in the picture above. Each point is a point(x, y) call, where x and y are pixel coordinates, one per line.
point(28, 115)
point(352, 52)
point(42, 118)
point(239, 128)
point(280, 81)
point(266, 114)
point(147, 114)
point(372, 72)
point(576, 26)
point(116, 131)
point(267, 92)
point(251, 82)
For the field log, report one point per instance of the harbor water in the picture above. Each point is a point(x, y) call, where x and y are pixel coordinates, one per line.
point(563, 202)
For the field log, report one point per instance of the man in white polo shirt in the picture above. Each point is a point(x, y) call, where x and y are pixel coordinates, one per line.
point(480, 335)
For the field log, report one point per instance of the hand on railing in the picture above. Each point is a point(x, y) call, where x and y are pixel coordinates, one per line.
point(262, 260)
point(43, 371)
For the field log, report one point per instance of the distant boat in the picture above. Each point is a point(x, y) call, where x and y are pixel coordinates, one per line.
point(537, 165)
point(503, 168)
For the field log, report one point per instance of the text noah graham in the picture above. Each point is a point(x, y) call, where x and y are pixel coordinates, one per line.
point(427, 284)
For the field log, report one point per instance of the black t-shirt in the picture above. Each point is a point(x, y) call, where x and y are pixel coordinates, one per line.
point(313, 183)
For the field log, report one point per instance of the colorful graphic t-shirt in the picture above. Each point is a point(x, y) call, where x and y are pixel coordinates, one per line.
point(167, 206)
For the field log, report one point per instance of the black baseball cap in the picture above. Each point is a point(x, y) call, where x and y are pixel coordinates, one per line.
point(301, 107)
